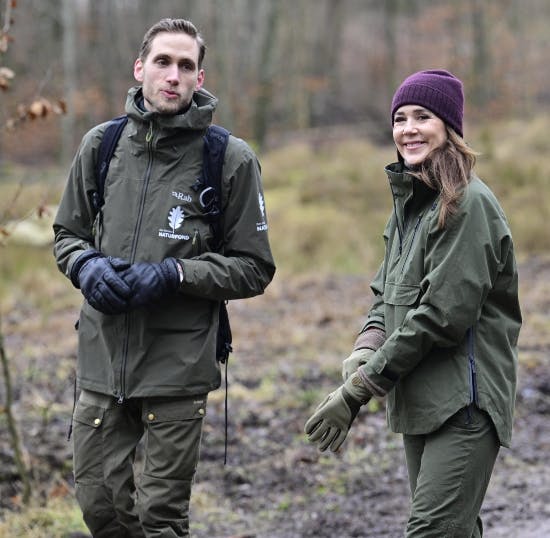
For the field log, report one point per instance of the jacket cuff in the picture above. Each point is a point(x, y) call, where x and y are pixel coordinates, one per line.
point(371, 338)
point(80, 260)
point(377, 375)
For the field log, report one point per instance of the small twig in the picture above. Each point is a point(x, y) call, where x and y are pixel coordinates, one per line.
point(4, 217)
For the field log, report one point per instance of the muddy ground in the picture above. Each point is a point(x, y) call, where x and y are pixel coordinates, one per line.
point(288, 347)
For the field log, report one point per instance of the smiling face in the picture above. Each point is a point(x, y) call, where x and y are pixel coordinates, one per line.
point(417, 132)
point(170, 73)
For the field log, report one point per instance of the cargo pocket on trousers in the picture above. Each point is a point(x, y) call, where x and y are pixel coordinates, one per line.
point(174, 427)
point(88, 443)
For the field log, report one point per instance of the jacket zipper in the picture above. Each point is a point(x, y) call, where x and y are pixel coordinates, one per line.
point(196, 243)
point(137, 229)
point(418, 220)
point(472, 366)
point(399, 231)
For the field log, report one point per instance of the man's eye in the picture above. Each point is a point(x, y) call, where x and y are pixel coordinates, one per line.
point(398, 120)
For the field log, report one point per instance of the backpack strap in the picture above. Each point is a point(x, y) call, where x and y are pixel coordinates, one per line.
point(215, 144)
point(110, 139)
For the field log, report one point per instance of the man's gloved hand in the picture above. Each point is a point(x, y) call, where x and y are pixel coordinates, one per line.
point(329, 425)
point(356, 359)
point(96, 276)
point(152, 282)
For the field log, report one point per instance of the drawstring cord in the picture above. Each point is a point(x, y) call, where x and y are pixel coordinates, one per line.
point(226, 414)
point(72, 414)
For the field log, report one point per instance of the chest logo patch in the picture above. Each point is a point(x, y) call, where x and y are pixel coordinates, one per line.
point(175, 220)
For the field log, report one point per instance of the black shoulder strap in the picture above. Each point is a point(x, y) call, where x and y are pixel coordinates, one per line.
point(215, 144)
point(107, 147)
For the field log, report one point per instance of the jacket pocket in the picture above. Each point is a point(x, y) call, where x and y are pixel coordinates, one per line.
point(401, 294)
point(399, 299)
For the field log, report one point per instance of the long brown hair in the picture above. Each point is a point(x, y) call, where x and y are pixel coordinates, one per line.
point(448, 169)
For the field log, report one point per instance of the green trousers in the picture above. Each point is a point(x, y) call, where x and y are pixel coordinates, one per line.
point(106, 435)
point(449, 471)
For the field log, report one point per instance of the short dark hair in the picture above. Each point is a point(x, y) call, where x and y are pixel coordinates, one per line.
point(172, 26)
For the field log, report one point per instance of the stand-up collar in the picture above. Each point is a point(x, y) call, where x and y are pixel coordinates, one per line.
point(197, 116)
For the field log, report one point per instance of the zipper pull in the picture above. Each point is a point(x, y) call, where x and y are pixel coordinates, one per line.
point(120, 400)
point(149, 135)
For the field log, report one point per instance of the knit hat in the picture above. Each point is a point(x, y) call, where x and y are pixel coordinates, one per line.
point(438, 91)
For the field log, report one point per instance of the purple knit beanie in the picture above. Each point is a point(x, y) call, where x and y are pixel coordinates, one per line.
point(438, 91)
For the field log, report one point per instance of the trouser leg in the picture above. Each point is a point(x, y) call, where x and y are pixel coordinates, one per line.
point(172, 440)
point(105, 436)
point(449, 472)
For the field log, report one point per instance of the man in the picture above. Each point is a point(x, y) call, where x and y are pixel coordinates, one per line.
point(153, 279)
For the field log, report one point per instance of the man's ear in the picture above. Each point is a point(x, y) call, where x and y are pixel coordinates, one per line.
point(138, 70)
point(200, 80)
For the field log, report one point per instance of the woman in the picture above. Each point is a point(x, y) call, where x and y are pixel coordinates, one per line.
point(440, 340)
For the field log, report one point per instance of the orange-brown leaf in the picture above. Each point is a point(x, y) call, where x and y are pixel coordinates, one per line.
point(37, 109)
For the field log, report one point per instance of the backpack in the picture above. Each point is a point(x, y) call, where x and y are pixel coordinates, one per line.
point(209, 183)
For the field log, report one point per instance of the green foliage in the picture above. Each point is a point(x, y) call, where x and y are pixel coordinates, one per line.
point(58, 519)
point(514, 164)
point(327, 207)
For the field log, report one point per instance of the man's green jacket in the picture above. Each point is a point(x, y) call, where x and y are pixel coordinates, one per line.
point(152, 212)
point(447, 300)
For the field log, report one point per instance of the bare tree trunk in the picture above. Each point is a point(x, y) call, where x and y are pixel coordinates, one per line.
point(265, 90)
point(391, 12)
point(70, 78)
point(481, 66)
point(15, 438)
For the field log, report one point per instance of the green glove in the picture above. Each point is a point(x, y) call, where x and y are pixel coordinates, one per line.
point(329, 425)
point(356, 359)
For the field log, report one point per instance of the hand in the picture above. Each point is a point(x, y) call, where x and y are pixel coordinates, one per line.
point(329, 425)
point(96, 276)
point(356, 359)
point(151, 282)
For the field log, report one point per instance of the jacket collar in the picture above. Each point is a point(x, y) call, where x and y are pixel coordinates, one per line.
point(404, 185)
point(197, 117)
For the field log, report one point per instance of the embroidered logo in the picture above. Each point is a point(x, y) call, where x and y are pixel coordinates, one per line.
point(261, 226)
point(175, 221)
point(175, 218)
point(182, 197)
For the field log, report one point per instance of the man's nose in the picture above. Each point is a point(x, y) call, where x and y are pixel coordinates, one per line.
point(172, 74)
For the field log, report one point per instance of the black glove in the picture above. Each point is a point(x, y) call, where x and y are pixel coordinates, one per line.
point(97, 278)
point(152, 282)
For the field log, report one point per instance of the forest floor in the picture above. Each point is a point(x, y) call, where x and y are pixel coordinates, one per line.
point(289, 344)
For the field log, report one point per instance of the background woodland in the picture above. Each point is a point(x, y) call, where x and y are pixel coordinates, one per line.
point(308, 83)
point(278, 66)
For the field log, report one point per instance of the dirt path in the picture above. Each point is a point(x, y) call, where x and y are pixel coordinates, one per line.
point(288, 348)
